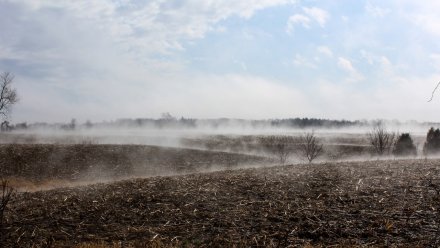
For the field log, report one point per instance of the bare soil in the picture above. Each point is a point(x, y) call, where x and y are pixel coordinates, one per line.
point(42, 164)
point(364, 204)
point(337, 147)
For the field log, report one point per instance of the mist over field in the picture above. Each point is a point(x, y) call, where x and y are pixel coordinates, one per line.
point(222, 123)
point(168, 131)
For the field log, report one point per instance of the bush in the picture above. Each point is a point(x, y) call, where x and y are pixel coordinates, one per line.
point(279, 146)
point(310, 148)
point(404, 146)
point(381, 140)
point(432, 144)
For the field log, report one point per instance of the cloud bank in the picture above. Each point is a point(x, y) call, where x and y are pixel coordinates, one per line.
point(103, 59)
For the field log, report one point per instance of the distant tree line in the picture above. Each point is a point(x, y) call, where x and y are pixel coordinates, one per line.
point(314, 123)
point(169, 121)
point(385, 142)
point(382, 141)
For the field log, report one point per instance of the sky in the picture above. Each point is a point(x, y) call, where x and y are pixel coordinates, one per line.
point(252, 59)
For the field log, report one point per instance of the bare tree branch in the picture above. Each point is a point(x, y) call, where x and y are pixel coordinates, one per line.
point(309, 147)
point(381, 140)
point(432, 96)
point(8, 95)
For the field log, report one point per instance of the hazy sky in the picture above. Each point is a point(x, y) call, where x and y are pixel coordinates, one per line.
point(104, 59)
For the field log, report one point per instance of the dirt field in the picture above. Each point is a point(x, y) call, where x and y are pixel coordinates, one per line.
point(372, 204)
point(31, 165)
point(336, 146)
point(84, 194)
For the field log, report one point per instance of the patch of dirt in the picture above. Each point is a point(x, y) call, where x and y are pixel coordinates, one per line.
point(375, 203)
point(45, 164)
point(335, 147)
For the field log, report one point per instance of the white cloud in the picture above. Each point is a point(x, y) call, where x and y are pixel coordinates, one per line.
point(88, 53)
point(82, 69)
point(382, 61)
point(435, 58)
point(240, 96)
point(325, 50)
point(319, 15)
point(403, 98)
point(82, 55)
point(153, 26)
point(297, 19)
point(422, 14)
point(428, 22)
point(386, 65)
point(302, 61)
point(367, 56)
point(376, 11)
point(346, 65)
point(199, 96)
point(315, 14)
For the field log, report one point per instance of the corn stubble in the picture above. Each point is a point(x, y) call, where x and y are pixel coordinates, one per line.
point(347, 204)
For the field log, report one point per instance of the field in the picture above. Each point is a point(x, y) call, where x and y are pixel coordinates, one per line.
point(39, 165)
point(150, 196)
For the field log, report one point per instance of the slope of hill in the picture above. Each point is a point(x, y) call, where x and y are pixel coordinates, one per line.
point(375, 203)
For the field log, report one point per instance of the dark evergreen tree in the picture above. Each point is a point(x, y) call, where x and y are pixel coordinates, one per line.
point(432, 144)
point(404, 146)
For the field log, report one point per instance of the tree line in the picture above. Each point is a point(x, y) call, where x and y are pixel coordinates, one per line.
point(385, 142)
point(382, 142)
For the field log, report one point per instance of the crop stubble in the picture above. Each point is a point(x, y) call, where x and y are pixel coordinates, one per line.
point(375, 203)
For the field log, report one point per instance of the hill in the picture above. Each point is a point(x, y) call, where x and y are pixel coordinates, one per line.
point(372, 203)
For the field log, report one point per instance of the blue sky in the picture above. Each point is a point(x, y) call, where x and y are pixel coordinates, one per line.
point(109, 59)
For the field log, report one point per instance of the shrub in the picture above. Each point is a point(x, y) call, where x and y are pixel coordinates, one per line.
point(432, 144)
point(279, 146)
point(310, 148)
point(381, 140)
point(404, 146)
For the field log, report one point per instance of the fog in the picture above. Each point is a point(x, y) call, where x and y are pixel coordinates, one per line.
point(196, 134)
point(104, 152)
point(171, 133)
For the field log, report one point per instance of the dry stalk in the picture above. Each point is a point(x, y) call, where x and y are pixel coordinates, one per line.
point(6, 194)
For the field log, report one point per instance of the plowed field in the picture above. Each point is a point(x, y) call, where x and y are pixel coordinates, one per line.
point(347, 204)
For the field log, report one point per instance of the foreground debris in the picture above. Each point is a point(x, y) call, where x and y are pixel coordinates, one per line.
point(375, 203)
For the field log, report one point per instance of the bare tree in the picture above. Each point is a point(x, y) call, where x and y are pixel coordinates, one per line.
point(381, 140)
point(8, 95)
point(309, 147)
point(280, 146)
